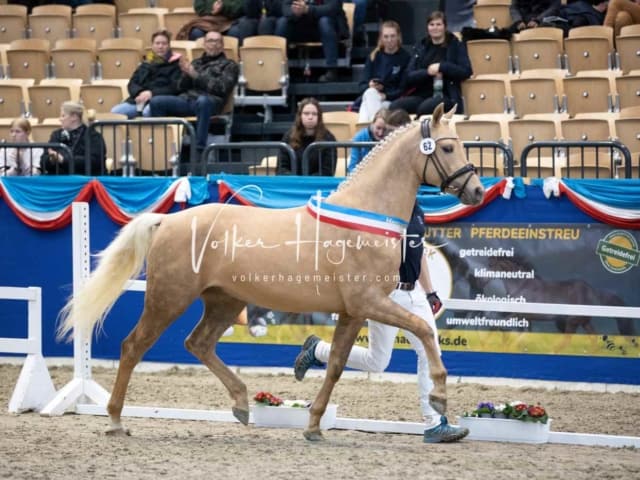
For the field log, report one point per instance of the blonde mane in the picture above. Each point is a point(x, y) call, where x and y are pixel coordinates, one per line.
point(375, 151)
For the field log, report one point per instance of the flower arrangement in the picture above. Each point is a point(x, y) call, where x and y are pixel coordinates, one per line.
point(514, 411)
point(268, 399)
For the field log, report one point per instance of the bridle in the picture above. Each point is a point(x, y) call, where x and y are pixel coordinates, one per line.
point(425, 130)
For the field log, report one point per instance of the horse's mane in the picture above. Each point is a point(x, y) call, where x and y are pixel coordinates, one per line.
point(375, 152)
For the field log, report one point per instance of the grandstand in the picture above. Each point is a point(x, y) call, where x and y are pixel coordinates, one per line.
point(53, 53)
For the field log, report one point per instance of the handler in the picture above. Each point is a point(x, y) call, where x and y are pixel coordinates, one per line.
point(411, 296)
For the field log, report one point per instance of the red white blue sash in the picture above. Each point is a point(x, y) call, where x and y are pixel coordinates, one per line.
point(355, 219)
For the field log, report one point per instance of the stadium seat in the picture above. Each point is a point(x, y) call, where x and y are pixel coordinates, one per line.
point(628, 90)
point(101, 97)
point(13, 23)
point(98, 26)
point(490, 57)
point(587, 162)
point(534, 95)
point(628, 133)
point(488, 162)
point(628, 53)
point(28, 58)
point(535, 53)
point(539, 162)
point(141, 23)
point(587, 94)
point(119, 57)
point(492, 15)
point(74, 58)
point(588, 53)
point(52, 22)
point(484, 96)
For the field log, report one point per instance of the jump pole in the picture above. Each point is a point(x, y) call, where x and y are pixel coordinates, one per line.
point(82, 363)
point(34, 387)
point(82, 387)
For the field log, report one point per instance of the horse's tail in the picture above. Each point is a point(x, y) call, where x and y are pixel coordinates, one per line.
point(122, 260)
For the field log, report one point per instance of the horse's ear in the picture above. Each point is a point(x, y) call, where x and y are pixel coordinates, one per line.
point(437, 113)
point(449, 115)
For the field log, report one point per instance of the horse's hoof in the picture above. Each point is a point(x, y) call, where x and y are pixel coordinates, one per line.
point(241, 414)
point(118, 432)
point(438, 404)
point(313, 435)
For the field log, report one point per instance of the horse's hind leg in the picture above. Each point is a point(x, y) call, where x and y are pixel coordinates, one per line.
point(220, 311)
point(154, 320)
point(343, 338)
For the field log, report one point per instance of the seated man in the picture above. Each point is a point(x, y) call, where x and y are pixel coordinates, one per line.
point(316, 21)
point(206, 83)
point(86, 145)
point(157, 75)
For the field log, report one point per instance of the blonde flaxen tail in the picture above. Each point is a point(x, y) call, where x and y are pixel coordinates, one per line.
point(122, 260)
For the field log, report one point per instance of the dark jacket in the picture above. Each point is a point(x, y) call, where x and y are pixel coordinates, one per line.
point(576, 14)
point(455, 67)
point(217, 76)
point(230, 8)
point(527, 10)
point(253, 8)
point(327, 8)
point(325, 165)
point(160, 78)
point(389, 69)
point(78, 140)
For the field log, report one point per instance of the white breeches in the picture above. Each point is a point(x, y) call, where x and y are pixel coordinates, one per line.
point(376, 357)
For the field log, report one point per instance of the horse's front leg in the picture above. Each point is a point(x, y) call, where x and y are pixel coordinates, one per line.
point(384, 310)
point(344, 336)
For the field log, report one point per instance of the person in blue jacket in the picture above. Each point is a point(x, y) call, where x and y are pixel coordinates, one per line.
point(384, 70)
point(372, 133)
point(438, 66)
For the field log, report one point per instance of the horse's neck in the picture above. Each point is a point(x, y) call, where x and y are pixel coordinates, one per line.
point(387, 183)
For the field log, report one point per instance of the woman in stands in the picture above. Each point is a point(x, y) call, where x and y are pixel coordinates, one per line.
point(308, 127)
point(20, 161)
point(383, 72)
point(373, 133)
point(157, 75)
point(437, 68)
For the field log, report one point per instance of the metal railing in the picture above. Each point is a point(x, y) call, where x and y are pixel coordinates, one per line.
point(248, 158)
point(615, 156)
point(43, 161)
point(148, 146)
point(498, 165)
point(339, 158)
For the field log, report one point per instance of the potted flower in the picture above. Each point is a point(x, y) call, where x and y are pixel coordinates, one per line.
point(507, 422)
point(272, 411)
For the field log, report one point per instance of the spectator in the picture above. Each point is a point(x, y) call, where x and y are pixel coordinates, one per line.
point(438, 66)
point(459, 13)
point(530, 13)
point(20, 161)
point(622, 13)
point(205, 86)
point(383, 72)
point(226, 16)
point(157, 75)
point(308, 127)
point(265, 14)
point(87, 145)
point(577, 14)
point(316, 21)
point(373, 133)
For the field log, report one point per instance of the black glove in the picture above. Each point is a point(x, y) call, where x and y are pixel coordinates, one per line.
point(434, 301)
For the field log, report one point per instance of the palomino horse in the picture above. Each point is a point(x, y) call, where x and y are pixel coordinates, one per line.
point(337, 254)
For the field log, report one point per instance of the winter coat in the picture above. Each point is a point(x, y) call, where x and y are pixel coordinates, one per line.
point(217, 76)
point(455, 68)
point(160, 78)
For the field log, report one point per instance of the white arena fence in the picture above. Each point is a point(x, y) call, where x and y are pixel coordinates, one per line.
point(84, 396)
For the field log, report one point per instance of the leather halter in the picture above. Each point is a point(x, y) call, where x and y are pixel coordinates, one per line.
point(425, 130)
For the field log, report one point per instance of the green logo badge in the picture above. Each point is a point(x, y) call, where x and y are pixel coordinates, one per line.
point(618, 251)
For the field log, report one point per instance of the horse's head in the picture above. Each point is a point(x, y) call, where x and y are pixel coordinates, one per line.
point(443, 162)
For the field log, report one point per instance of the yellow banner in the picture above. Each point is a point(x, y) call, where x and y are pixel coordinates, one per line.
point(466, 341)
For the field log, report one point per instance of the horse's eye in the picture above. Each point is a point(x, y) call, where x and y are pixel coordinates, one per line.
point(447, 148)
